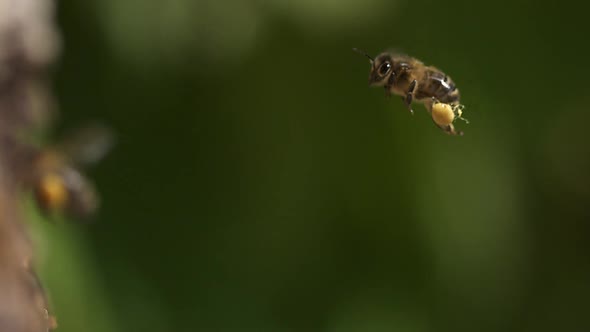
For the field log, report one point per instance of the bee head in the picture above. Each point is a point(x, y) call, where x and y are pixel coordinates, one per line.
point(381, 69)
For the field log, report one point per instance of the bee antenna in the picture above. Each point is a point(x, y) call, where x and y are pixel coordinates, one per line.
point(363, 53)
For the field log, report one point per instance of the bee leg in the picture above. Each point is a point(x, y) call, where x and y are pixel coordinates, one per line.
point(391, 80)
point(450, 129)
point(410, 96)
point(430, 104)
point(387, 92)
point(458, 111)
point(389, 85)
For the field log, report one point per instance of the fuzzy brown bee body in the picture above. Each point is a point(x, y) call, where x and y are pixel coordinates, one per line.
point(59, 189)
point(59, 186)
point(411, 79)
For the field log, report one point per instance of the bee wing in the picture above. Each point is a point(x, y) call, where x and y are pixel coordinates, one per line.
point(88, 145)
point(397, 52)
point(83, 198)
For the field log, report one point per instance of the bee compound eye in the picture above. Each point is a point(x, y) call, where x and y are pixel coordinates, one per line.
point(384, 68)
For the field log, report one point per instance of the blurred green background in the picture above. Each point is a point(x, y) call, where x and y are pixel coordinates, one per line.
point(258, 184)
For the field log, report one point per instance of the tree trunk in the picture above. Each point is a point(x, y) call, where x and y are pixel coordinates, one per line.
point(28, 45)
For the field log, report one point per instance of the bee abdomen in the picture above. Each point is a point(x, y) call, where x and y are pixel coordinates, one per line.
point(439, 86)
point(450, 97)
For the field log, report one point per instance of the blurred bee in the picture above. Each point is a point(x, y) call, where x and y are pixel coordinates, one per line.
point(58, 186)
point(412, 80)
point(59, 189)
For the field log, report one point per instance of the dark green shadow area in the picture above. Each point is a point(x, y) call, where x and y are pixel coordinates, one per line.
point(272, 190)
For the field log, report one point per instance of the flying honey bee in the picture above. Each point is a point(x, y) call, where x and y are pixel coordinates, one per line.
point(26, 109)
point(411, 79)
point(58, 185)
point(59, 188)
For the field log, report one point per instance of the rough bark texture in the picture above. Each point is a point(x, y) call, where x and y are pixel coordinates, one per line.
point(28, 44)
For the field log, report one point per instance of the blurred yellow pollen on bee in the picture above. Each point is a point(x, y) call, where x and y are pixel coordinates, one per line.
point(52, 193)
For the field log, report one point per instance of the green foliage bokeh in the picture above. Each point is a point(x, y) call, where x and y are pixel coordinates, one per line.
point(258, 184)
